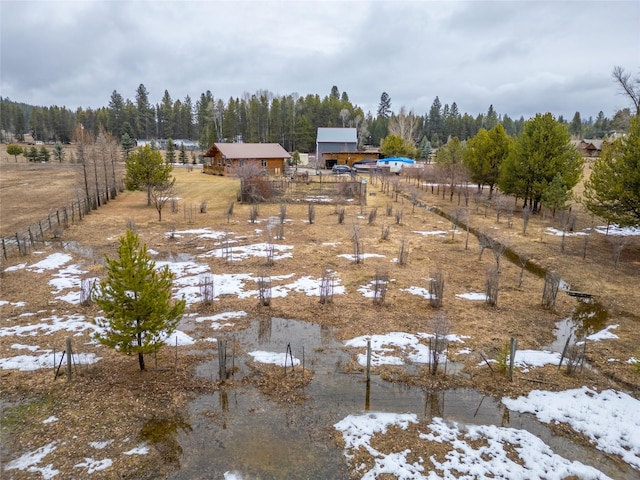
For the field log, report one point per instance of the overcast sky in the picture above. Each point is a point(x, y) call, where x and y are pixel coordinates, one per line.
point(522, 56)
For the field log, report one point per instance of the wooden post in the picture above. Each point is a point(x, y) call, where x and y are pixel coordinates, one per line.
point(513, 346)
point(367, 398)
point(222, 360)
point(58, 216)
point(30, 236)
point(49, 218)
point(41, 231)
point(18, 242)
point(175, 367)
point(564, 351)
point(4, 250)
point(368, 361)
point(69, 353)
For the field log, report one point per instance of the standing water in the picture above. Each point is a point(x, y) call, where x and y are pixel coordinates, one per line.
point(239, 433)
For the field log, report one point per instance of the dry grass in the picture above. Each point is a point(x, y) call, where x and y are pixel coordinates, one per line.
point(115, 398)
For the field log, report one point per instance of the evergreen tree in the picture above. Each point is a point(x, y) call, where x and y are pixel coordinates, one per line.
point(396, 146)
point(145, 114)
point(136, 300)
point(58, 152)
point(576, 126)
point(384, 108)
point(170, 154)
point(613, 189)
point(484, 154)
point(116, 114)
point(183, 154)
point(127, 144)
point(146, 169)
point(43, 154)
point(540, 152)
point(556, 195)
point(15, 150)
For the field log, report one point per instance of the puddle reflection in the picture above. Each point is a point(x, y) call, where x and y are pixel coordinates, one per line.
point(238, 430)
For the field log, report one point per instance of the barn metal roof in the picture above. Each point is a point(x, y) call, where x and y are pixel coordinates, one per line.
point(337, 135)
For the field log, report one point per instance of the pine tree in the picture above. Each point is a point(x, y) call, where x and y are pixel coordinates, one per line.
point(613, 189)
point(183, 154)
point(127, 144)
point(136, 301)
point(170, 155)
point(145, 169)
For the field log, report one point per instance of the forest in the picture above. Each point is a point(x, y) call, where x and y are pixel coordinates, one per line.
point(263, 117)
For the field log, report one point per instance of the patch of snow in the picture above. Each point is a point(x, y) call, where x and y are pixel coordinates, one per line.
point(273, 358)
point(493, 456)
point(178, 338)
point(93, 466)
point(47, 359)
point(30, 460)
point(52, 262)
point(100, 445)
point(419, 291)
point(603, 334)
point(560, 233)
point(141, 449)
point(619, 231)
point(610, 419)
point(472, 296)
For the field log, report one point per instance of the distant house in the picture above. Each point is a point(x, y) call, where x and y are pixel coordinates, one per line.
point(589, 147)
point(334, 140)
point(222, 158)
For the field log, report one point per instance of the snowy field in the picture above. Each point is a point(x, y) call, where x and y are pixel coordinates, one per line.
point(609, 419)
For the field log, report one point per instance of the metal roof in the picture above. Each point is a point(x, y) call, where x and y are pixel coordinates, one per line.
point(249, 150)
point(337, 135)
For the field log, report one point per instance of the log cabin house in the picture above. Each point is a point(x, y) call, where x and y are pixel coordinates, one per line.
point(223, 158)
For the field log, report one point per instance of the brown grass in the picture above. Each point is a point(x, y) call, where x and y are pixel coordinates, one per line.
point(115, 398)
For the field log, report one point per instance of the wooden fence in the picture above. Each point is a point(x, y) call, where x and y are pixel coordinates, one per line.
point(50, 227)
point(307, 190)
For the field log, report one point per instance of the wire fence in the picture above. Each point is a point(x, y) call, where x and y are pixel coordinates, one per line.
point(50, 227)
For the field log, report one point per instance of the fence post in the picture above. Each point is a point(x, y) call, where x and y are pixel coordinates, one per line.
point(368, 360)
point(41, 231)
point(50, 227)
point(30, 236)
point(58, 215)
point(69, 353)
point(512, 356)
point(4, 250)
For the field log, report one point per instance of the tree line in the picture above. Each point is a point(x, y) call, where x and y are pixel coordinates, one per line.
point(264, 117)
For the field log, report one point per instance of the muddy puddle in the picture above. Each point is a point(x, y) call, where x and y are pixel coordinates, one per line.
point(588, 318)
point(239, 431)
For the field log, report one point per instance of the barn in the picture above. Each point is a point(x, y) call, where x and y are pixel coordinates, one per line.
point(223, 158)
point(334, 140)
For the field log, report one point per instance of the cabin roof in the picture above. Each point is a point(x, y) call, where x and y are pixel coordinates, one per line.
point(248, 150)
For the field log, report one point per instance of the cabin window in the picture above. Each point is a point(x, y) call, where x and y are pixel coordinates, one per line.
point(263, 162)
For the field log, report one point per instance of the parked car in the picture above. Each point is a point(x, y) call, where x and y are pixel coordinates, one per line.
point(337, 169)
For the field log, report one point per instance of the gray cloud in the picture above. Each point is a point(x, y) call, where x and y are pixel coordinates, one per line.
point(521, 56)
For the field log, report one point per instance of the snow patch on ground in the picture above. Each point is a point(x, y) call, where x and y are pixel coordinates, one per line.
point(610, 419)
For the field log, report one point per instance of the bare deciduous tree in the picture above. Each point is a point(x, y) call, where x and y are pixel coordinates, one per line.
point(206, 289)
point(628, 86)
point(380, 286)
point(403, 254)
point(618, 242)
point(550, 292)
point(438, 344)
point(436, 288)
point(493, 282)
point(327, 283)
point(161, 193)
